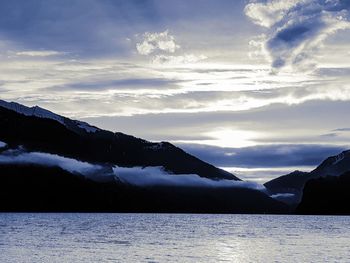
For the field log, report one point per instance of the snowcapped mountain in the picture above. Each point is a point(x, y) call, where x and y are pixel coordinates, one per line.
point(31, 111)
point(36, 111)
point(334, 165)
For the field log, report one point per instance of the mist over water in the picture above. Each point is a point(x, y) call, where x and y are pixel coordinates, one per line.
point(173, 238)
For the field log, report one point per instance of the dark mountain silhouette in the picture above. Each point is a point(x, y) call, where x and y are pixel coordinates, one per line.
point(328, 195)
point(40, 130)
point(294, 182)
point(47, 189)
point(43, 187)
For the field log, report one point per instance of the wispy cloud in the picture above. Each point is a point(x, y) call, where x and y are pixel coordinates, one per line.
point(156, 176)
point(68, 164)
point(138, 176)
point(131, 83)
point(189, 79)
point(297, 29)
point(93, 171)
point(39, 53)
point(342, 130)
point(178, 60)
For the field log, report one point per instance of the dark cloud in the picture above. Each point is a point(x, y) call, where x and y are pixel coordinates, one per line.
point(342, 130)
point(274, 118)
point(103, 27)
point(87, 26)
point(333, 134)
point(264, 155)
point(135, 83)
point(296, 29)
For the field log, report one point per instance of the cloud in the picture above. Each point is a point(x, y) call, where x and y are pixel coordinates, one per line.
point(138, 176)
point(285, 197)
point(178, 60)
point(282, 195)
point(157, 42)
point(260, 156)
point(2, 144)
point(100, 85)
point(342, 130)
point(332, 134)
point(87, 28)
point(161, 45)
point(156, 176)
point(19, 156)
point(39, 53)
point(274, 124)
point(296, 29)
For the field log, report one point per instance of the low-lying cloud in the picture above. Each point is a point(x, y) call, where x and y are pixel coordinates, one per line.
point(157, 176)
point(74, 166)
point(297, 28)
point(137, 176)
point(3, 144)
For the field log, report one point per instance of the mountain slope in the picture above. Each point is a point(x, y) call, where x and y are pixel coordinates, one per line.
point(294, 182)
point(40, 130)
point(34, 188)
point(52, 163)
point(326, 195)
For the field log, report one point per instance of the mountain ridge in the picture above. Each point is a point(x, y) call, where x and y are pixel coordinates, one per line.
point(35, 146)
point(294, 182)
point(53, 133)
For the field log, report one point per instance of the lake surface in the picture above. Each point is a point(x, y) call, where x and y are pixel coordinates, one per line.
point(173, 238)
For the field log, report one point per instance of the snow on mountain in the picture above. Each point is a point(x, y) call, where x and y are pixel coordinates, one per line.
point(31, 111)
point(334, 165)
point(339, 158)
point(46, 114)
point(86, 127)
point(158, 146)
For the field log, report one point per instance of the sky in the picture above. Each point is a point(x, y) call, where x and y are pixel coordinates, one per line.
point(260, 88)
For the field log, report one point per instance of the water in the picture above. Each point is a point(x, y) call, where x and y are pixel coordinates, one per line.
point(173, 238)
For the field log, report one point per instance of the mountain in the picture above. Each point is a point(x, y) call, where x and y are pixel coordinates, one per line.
point(38, 129)
point(33, 188)
point(334, 165)
point(52, 163)
point(294, 182)
point(328, 195)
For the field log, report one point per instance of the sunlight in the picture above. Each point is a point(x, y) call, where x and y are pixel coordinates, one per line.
point(232, 138)
point(224, 137)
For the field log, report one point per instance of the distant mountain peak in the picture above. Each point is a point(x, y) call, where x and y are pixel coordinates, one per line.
point(334, 165)
point(46, 114)
point(31, 111)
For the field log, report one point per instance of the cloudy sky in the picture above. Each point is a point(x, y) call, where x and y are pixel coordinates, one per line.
point(258, 87)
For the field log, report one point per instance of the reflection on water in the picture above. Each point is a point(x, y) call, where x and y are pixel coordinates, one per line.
point(173, 238)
